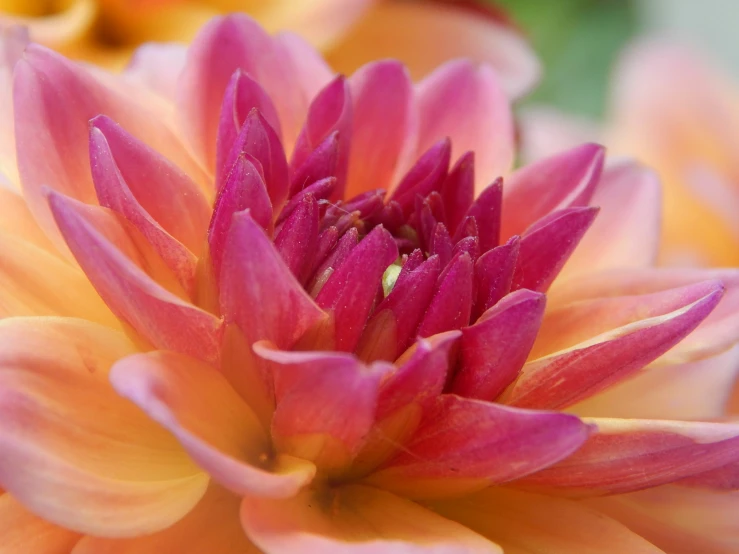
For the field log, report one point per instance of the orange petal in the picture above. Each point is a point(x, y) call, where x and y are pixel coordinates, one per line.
point(74, 452)
point(221, 433)
point(355, 519)
point(13, 41)
point(16, 220)
point(531, 523)
point(425, 34)
point(681, 520)
point(212, 526)
point(24, 532)
point(58, 29)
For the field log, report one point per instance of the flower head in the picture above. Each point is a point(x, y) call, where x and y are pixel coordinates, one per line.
point(274, 309)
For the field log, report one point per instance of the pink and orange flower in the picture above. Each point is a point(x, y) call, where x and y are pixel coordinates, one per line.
point(250, 305)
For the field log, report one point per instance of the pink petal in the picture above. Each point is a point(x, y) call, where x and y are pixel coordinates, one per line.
point(244, 189)
point(54, 100)
point(224, 45)
point(176, 202)
point(458, 190)
point(74, 452)
point(222, 435)
point(24, 532)
point(159, 316)
point(13, 41)
point(494, 275)
point(297, 240)
point(326, 404)
point(157, 66)
point(319, 165)
point(466, 103)
point(329, 113)
point(494, 349)
point(451, 305)
point(114, 192)
point(532, 523)
point(394, 322)
point(355, 520)
point(717, 333)
point(257, 139)
point(243, 94)
point(253, 271)
point(487, 212)
point(566, 180)
point(464, 444)
point(626, 232)
point(351, 289)
point(546, 246)
point(626, 455)
point(384, 126)
point(569, 376)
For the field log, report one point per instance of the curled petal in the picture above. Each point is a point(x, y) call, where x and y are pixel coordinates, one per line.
point(526, 522)
point(60, 97)
point(197, 405)
point(355, 520)
point(626, 455)
point(566, 377)
point(566, 180)
point(212, 526)
point(74, 452)
point(465, 103)
point(494, 275)
point(326, 404)
point(159, 316)
point(464, 445)
point(451, 305)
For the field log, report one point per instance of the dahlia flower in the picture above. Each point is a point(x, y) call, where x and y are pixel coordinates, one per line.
point(421, 33)
point(266, 308)
point(687, 133)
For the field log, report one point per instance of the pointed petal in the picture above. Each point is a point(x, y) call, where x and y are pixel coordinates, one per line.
point(243, 189)
point(525, 522)
point(329, 113)
point(717, 333)
point(176, 202)
point(384, 127)
point(494, 349)
point(74, 452)
point(458, 190)
point(243, 94)
point(425, 176)
point(487, 213)
point(114, 192)
point(440, 32)
point(466, 103)
point(626, 232)
point(569, 376)
point(297, 240)
point(546, 246)
point(680, 520)
point(197, 405)
point(351, 289)
point(355, 520)
point(158, 315)
point(464, 445)
point(24, 532)
point(326, 404)
point(213, 525)
point(253, 271)
point(54, 99)
point(451, 306)
point(494, 275)
point(626, 455)
point(566, 180)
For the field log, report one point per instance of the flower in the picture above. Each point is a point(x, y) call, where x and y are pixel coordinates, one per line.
point(685, 131)
point(209, 348)
point(422, 33)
